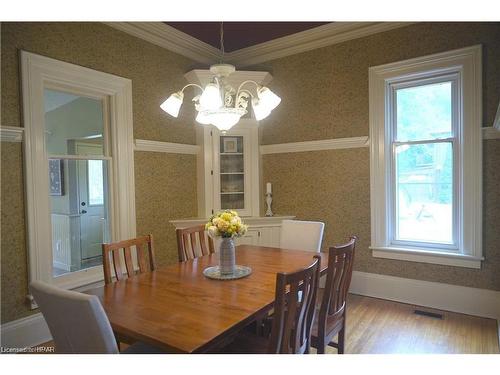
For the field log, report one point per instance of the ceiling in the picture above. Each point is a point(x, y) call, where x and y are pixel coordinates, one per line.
point(239, 35)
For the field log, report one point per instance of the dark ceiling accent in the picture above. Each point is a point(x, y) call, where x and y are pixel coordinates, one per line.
point(239, 35)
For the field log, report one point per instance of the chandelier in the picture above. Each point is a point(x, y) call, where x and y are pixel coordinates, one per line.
point(219, 104)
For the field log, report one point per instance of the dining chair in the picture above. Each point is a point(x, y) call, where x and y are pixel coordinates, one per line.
point(301, 235)
point(330, 319)
point(114, 250)
point(187, 245)
point(294, 307)
point(78, 323)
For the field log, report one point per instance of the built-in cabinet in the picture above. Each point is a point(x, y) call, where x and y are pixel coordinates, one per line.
point(262, 231)
point(228, 170)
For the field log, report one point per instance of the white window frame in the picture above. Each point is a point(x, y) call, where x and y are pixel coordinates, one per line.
point(462, 67)
point(39, 72)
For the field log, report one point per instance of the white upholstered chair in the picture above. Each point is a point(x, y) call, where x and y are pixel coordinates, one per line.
point(301, 235)
point(78, 322)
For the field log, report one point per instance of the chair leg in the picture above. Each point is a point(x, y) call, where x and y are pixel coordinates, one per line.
point(321, 347)
point(341, 343)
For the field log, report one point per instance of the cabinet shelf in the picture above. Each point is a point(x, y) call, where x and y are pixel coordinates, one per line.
point(231, 153)
point(237, 173)
point(232, 192)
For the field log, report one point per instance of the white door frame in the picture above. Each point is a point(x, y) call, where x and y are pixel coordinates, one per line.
point(39, 72)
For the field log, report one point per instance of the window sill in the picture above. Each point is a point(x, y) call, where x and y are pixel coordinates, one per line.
point(427, 256)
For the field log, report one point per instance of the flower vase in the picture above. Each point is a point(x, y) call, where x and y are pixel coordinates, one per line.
point(227, 256)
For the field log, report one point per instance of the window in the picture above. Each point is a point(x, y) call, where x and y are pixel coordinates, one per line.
point(425, 138)
point(95, 183)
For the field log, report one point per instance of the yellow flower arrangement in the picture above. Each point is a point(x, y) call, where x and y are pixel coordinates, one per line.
point(226, 224)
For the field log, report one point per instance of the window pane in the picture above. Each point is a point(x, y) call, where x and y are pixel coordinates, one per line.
point(424, 201)
point(96, 184)
point(424, 112)
point(70, 120)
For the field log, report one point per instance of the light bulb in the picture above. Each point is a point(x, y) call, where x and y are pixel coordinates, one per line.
point(211, 99)
point(268, 98)
point(173, 104)
point(260, 111)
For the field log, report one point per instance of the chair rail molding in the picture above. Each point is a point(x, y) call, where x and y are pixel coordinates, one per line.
point(319, 145)
point(11, 134)
point(167, 147)
point(170, 38)
point(490, 132)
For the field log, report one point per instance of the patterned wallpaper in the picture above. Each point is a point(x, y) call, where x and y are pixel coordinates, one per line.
point(155, 73)
point(325, 95)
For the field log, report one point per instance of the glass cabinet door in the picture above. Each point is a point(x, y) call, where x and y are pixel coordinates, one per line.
point(232, 172)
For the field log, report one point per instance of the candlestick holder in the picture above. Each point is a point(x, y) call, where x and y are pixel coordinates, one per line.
point(269, 201)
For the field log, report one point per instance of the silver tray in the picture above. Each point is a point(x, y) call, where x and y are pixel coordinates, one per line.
point(239, 272)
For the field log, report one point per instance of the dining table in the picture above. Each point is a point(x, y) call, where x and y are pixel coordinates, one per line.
point(178, 309)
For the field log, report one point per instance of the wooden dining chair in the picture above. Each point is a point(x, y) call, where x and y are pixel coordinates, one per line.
point(187, 246)
point(330, 319)
point(114, 250)
point(294, 309)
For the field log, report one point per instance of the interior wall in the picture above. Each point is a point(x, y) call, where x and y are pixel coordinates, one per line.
point(325, 95)
point(155, 73)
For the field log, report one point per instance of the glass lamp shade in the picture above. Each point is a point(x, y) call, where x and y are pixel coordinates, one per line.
point(259, 110)
point(211, 98)
point(222, 118)
point(203, 118)
point(173, 104)
point(268, 99)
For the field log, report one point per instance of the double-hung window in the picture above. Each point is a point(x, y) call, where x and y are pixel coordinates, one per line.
point(425, 139)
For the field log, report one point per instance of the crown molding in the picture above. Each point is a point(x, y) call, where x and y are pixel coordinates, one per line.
point(11, 134)
point(170, 38)
point(176, 41)
point(322, 36)
point(168, 147)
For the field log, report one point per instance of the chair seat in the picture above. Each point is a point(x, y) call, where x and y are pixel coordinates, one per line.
point(246, 343)
point(142, 348)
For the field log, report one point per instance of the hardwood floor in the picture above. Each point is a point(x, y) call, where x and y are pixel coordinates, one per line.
point(376, 326)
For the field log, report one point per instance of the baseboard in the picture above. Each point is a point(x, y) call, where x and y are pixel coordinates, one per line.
point(25, 332)
point(461, 299)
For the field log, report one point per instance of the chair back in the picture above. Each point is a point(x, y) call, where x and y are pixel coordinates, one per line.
point(117, 250)
point(187, 245)
point(302, 235)
point(338, 280)
point(294, 310)
point(77, 321)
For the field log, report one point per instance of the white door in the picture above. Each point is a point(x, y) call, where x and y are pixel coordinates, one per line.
point(91, 193)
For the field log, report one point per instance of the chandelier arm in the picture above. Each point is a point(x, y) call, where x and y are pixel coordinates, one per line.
point(247, 91)
point(244, 83)
point(191, 84)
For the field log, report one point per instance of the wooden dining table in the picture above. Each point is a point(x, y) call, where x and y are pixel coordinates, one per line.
point(178, 309)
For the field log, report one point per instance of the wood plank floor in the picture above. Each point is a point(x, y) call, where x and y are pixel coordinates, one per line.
point(376, 326)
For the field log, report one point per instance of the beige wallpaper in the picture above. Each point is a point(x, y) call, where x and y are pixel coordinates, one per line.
point(160, 173)
point(155, 73)
point(14, 283)
point(325, 95)
point(325, 91)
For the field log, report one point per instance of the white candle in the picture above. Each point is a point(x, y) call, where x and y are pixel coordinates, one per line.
point(268, 188)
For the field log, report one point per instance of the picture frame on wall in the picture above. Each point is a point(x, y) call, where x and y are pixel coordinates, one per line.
point(56, 177)
point(230, 145)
